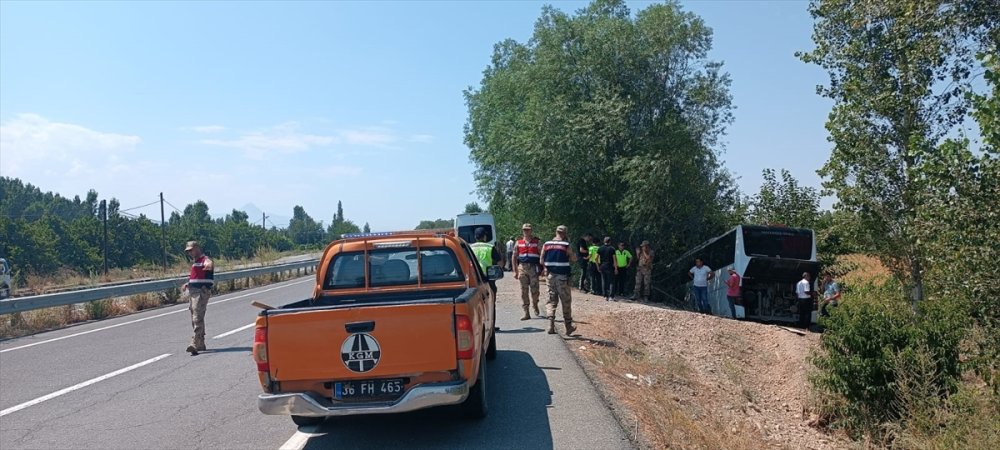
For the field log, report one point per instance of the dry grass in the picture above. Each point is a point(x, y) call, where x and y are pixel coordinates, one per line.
point(64, 279)
point(45, 319)
point(863, 269)
point(659, 414)
point(148, 300)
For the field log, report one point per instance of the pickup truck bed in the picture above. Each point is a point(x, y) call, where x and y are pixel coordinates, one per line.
point(364, 350)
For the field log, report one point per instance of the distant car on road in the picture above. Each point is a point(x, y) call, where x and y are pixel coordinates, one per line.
point(5, 281)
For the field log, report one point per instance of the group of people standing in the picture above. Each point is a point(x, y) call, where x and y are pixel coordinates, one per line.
point(604, 269)
point(805, 292)
point(806, 297)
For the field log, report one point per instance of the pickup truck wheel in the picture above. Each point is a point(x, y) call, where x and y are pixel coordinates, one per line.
point(491, 350)
point(306, 421)
point(475, 407)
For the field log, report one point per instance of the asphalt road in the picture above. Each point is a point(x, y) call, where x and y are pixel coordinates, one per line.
point(127, 383)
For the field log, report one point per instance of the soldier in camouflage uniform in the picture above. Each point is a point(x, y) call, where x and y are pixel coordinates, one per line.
point(644, 272)
point(527, 269)
point(198, 289)
point(557, 257)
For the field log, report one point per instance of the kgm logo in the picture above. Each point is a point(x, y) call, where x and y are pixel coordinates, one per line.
point(360, 352)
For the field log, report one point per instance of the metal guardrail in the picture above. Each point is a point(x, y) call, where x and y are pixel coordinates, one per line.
point(20, 304)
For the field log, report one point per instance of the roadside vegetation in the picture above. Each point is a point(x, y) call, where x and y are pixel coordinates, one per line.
point(911, 360)
point(39, 320)
point(53, 241)
point(610, 122)
point(68, 279)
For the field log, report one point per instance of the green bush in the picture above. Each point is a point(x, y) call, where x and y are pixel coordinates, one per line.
point(876, 352)
point(99, 309)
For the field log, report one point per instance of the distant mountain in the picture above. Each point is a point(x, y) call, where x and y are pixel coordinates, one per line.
point(273, 220)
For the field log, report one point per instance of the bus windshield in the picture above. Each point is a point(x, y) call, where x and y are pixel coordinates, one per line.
point(788, 243)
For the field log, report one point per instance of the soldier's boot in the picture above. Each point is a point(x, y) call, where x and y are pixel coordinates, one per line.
point(570, 328)
point(526, 315)
point(192, 349)
point(537, 312)
point(552, 324)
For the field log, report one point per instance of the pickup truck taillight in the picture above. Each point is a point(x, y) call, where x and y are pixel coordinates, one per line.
point(464, 340)
point(260, 349)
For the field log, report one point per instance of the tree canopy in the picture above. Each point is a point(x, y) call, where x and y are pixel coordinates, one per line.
point(45, 232)
point(784, 202)
point(605, 121)
point(899, 76)
point(435, 224)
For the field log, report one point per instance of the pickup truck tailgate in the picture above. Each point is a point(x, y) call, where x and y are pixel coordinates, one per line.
point(361, 342)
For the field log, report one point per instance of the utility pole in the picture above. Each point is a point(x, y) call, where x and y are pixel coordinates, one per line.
point(163, 233)
point(263, 220)
point(104, 221)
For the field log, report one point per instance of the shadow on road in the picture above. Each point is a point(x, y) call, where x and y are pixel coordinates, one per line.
point(594, 342)
point(519, 398)
point(227, 350)
point(523, 330)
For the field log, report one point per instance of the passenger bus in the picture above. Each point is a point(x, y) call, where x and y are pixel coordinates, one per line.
point(770, 261)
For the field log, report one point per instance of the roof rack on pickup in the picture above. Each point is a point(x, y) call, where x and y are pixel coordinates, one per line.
point(433, 232)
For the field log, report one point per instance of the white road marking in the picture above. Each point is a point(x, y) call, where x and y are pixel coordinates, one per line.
point(80, 386)
point(299, 440)
point(146, 318)
point(234, 331)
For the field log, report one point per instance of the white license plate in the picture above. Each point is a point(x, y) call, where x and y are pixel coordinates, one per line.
point(361, 389)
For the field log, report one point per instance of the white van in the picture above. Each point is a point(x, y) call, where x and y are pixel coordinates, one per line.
point(466, 224)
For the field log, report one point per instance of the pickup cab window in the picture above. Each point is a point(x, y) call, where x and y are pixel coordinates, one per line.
point(393, 267)
point(477, 271)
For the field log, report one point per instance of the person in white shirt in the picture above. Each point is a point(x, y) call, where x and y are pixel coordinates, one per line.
point(804, 292)
point(700, 274)
point(510, 251)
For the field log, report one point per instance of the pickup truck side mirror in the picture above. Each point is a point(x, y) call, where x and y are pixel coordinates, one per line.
point(494, 273)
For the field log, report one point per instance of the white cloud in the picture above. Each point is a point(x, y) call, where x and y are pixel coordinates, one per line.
point(285, 138)
point(289, 137)
point(206, 129)
point(369, 136)
point(33, 145)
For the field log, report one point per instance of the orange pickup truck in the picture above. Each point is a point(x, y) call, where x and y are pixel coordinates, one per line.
point(396, 323)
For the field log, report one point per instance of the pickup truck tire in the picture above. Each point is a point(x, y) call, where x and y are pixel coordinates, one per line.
point(306, 421)
point(476, 407)
point(491, 350)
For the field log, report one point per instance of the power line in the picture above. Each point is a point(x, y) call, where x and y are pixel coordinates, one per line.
point(172, 206)
point(143, 206)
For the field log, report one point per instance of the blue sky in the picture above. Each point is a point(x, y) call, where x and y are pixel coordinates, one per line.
point(278, 104)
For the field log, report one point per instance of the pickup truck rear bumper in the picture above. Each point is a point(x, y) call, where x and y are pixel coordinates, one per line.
point(311, 405)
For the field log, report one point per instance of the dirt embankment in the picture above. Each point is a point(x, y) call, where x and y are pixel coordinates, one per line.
point(688, 380)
